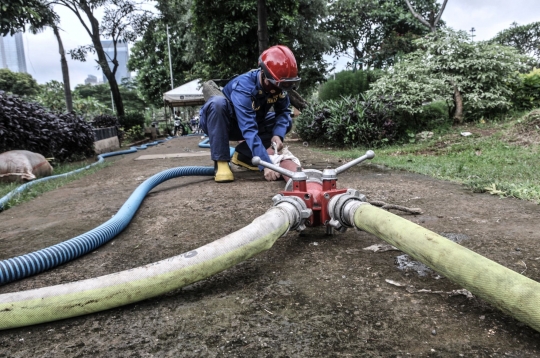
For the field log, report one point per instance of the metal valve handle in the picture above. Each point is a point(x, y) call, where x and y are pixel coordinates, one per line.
point(369, 155)
point(299, 175)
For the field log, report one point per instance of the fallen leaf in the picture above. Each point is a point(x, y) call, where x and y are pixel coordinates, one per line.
point(381, 248)
point(394, 283)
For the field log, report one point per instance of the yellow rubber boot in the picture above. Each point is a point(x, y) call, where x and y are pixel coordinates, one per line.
point(223, 173)
point(243, 161)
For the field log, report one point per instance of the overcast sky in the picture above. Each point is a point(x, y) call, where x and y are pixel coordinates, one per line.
point(488, 17)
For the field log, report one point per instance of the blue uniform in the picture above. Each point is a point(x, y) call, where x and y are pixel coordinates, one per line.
point(243, 114)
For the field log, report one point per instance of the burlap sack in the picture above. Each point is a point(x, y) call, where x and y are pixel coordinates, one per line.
point(209, 89)
point(23, 165)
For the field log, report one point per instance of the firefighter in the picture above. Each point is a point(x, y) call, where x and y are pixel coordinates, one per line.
point(242, 114)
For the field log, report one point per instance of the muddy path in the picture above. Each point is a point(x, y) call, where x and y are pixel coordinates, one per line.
point(311, 295)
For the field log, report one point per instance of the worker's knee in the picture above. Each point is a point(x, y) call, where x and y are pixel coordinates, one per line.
point(218, 105)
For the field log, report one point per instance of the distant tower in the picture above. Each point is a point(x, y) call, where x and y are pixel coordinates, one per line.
point(90, 80)
point(122, 57)
point(12, 53)
point(472, 30)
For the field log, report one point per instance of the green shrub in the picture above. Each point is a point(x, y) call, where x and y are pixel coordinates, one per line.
point(29, 126)
point(134, 133)
point(132, 119)
point(527, 93)
point(348, 122)
point(483, 73)
point(347, 84)
point(21, 84)
point(434, 115)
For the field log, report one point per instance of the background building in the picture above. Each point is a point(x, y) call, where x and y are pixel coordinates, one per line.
point(122, 57)
point(12, 53)
point(91, 80)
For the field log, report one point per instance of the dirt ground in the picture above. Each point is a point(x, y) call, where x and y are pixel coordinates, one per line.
point(311, 295)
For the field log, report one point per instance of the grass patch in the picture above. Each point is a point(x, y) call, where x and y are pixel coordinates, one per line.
point(43, 187)
point(492, 160)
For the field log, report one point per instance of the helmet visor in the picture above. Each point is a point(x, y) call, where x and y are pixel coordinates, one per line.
point(286, 84)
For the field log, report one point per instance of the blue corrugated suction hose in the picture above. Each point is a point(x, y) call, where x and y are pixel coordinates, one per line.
point(206, 144)
point(30, 264)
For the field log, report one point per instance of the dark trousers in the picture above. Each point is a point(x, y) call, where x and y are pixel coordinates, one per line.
point(218, 121)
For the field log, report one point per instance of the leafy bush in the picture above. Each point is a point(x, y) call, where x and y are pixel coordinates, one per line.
point(446, 64)
point(527, 93)
point(348, 84)
point(18, 83)
point(132, 119)
point(52, 96)
point(101, 95)
point(134, 133)
point(525, 38)
point(106, 121)
point(434, 115)
point(349, 122)
point(29, 126)
point(89, 107)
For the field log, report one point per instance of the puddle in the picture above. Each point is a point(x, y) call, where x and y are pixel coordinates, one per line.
point(457, 238)
point(406, 263)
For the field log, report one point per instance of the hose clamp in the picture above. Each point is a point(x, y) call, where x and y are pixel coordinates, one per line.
point(299, 213)
point(339, 206)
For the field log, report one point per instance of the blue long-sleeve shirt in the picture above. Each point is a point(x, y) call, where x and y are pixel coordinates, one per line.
point(251, 104)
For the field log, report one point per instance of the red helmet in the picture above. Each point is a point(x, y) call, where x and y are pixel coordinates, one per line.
point(279, 67)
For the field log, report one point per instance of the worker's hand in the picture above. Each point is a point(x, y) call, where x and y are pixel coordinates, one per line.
point(271, 175)
point(279, 144)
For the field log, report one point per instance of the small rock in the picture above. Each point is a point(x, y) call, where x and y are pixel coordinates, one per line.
point(434, 332)
point(482, 317)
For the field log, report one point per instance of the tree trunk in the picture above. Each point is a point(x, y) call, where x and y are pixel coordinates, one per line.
point(358, 56)
point(433, 19)
point(458, 100)
point(102, 60)
point(262, 31)
point(297, 101)
point(65, 70)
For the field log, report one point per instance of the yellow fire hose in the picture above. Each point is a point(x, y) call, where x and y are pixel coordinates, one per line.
point(19, 309)
point(514, 294)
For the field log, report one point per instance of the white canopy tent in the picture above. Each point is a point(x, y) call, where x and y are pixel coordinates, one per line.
point(189, 94)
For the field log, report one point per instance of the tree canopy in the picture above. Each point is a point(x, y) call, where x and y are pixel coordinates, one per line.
point(374, 32)
point(435, 12)
point(228, 32)
point(88, 100)
point(217, 40)
point(18, 83)
point(51, 95)
point(525, 38)
point(477, 78)
point(122, 22)
point(149, 57)
point(102, 93)
point(15, 14)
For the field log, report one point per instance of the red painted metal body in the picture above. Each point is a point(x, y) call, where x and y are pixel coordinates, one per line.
point(316, 195)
